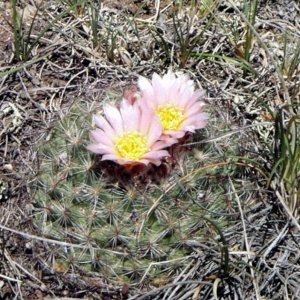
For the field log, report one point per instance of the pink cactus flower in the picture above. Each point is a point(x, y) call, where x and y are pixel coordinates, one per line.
point(176, 102)
point(129, 135)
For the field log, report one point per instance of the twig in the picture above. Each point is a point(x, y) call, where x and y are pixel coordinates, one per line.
point(10, 279)
point(170, 285)
point(283, 203)
point(246, 240)
point(55, 242)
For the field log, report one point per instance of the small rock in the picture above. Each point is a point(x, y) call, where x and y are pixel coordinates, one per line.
point(8, 167)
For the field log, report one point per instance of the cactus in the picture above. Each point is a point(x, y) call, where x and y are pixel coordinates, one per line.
point(129, 230)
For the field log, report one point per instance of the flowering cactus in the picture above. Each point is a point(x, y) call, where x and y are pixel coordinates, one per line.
point(123, 228)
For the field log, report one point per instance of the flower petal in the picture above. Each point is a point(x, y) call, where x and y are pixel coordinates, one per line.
point(156, 155)
point(159, 89)
point(100, 149)
point(197, 95)
point(144, 84)
point(146, 118)
point(175, 134)
point(197, 107)
point(114, 118)
point(99, 136)
point(155, 130)
point(185, 96)
point(163, 144)
point(199, 119)
point(130, 115)
point(104, 125)
point(147, 92)
point(113, 157)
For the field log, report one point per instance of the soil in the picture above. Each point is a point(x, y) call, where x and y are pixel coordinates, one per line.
point(34, 98)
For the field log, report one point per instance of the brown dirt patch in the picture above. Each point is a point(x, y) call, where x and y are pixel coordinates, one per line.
point(146, 8)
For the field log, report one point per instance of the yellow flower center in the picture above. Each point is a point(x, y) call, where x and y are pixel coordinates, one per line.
point(132, 145)
point(171, 116)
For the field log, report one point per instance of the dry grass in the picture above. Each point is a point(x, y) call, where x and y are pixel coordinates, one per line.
point(80, 59)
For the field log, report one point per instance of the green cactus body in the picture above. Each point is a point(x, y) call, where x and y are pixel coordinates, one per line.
point(130, 233)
